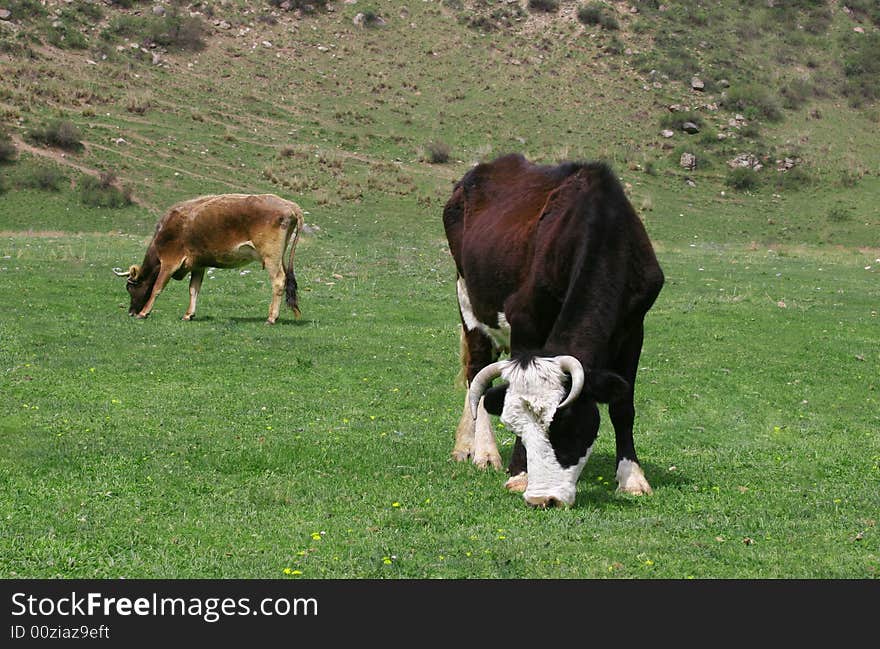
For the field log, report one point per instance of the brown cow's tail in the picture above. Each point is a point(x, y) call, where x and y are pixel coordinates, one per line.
point(465, 357)
point(290, 286)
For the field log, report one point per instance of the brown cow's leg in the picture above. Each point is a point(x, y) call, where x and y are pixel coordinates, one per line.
point(161, 281)
point(195, 283)
point(276, 276)
point(475, 438)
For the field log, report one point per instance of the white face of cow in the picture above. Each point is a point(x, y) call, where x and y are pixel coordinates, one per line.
point(531, 400)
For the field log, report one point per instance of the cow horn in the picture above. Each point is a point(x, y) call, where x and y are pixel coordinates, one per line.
point(121, 273)
point(572, 366)
point(133, 273)
point(481, 383)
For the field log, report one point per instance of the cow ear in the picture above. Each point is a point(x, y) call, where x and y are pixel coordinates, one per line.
point(605, 386)
point(493, 400)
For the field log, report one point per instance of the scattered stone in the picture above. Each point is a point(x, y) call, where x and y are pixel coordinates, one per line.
point(267, 44)
point(286, 5)
point(745, 160)
point(723, 83)
point(158, 10)
point(5, 14)
point(666, 133)
point(222, 24)
point(690, 182)
point(690, 127)
point(859, 30)
point(697, 84)
point(688, 161)
point(786, 164)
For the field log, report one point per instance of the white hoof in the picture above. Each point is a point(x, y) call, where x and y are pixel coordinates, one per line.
point(631, 479)
point(518, 483)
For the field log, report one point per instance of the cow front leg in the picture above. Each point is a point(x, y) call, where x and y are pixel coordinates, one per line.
point(630, 477)
point(517, 468)
point(195, 285)
point(162, 280)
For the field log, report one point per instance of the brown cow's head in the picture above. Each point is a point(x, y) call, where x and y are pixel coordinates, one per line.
point(139, 283)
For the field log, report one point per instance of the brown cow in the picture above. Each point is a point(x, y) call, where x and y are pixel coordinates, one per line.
point(222, 231)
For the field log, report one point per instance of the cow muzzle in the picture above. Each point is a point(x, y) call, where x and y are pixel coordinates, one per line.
point(546, 502)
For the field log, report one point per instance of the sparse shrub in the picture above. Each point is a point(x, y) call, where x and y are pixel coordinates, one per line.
point(839, 214)
point(87, 12)
point(861, 65)
point(64, 36)
point(743, 179)
point(751, 131)
point(180, 32)
point(818, 20)
point(753, 101)
point(4, 185)
point(172, 31)
point(287, 151)
point(29, 8)
point(849, 178)
point(45, 178)
point(372, 18)
point(547, 6)
point(138, 104)
point(795, 93)
point(437, 152)
point(793, 179)
point(104, 191)
point(615, 46)
point(305, 6)
point(60, 133)
point(675, 120)
point(650, 167)
point(596, 13)
point(8, 152)
point(868, 9)
point(590, 14)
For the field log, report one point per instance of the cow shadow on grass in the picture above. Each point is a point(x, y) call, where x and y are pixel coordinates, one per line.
point(597, 486)
point(284, 322)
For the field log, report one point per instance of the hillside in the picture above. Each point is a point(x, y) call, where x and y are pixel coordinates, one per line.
point(321, 447)
point(340, 104)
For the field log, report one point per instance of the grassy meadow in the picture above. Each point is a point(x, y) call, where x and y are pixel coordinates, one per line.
point(319, 448)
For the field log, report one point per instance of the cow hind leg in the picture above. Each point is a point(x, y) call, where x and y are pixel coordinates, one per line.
point(630, 477)
point(195, 285)
point(277, 278)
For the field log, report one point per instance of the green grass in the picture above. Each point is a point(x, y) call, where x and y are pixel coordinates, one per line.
point(227, 448)
point(224, 447)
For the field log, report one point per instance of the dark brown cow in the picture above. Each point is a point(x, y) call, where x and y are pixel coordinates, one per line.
point(555, 267)
point(222, 231)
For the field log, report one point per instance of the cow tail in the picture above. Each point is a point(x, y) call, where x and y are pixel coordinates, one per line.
point(465, 357)
point(290, 286)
